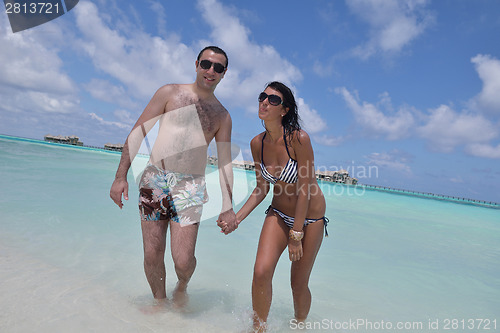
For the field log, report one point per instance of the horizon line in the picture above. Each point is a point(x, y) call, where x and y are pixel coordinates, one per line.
point(382, 188)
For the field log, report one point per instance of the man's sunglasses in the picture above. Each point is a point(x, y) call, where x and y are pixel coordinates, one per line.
point(218, 68)
point(273, 99)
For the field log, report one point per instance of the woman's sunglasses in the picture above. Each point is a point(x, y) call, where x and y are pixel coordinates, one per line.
point(218, 68)
point(273, 99)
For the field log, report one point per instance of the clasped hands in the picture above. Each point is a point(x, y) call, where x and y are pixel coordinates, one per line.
point(227, 222)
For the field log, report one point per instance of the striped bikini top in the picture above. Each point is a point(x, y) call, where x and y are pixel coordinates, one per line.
point(289, 172)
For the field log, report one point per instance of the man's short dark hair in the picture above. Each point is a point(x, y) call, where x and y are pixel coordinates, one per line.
point(215, 49)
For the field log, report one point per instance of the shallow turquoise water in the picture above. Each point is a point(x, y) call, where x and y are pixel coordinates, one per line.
point(70, 259)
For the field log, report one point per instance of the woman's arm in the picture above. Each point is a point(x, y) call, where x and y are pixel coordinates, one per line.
point(261, 188)
point(304, 155)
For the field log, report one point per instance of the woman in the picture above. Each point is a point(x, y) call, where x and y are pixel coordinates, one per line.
point(283, 156)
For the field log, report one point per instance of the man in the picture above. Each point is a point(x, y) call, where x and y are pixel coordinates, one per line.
point(172, 187)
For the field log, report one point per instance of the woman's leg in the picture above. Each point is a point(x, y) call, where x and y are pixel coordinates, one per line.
point(301, 270)
point(273, 240)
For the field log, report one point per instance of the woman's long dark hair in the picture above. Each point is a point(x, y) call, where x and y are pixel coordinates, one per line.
point(291, 120)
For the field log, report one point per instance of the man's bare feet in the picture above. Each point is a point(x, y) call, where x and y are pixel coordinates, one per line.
point(180, 297)
point(155, 306)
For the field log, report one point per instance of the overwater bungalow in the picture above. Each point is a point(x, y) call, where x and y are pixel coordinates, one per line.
point(69, 140)
point(114, 146)
point(341, 176)
point(244, 165)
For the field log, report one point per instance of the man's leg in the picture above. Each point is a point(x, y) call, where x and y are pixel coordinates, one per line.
point(154, 235)
point(183, 242)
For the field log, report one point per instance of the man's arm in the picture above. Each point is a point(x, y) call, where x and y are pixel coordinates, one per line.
point(223, 141)
point(152, 112)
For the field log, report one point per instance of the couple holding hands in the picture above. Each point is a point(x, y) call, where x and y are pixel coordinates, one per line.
point(172, 187)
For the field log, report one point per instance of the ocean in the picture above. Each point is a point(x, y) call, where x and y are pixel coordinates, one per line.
point(71, 260)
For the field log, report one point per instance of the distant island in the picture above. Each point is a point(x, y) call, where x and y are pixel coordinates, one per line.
point(340, 176)
point(75, 141)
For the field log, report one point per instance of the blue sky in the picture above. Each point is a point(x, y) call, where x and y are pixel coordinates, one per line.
point(408, 90)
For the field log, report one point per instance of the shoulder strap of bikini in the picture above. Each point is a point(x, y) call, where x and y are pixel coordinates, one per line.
point(286, 146)
point(262, 149)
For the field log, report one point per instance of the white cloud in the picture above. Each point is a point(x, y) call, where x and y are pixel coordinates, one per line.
point(140, 61)
point(488, 69)
point(108, 92)
point(328, 140)
point(28, 63)
point(442, 128)
point(251, 65)
point(321, 69)
point(445, 129)
point(311, 120)
point(393, 24)
point(132, 63)
point(36, 93)
point(125, 117)
point(49, 103)
point(395, 126)
point(159, 10)
point(33, 102)
point(314, 124)
point(458, 180)
point(393, 160)
point(101, 121)
point(483, 150)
